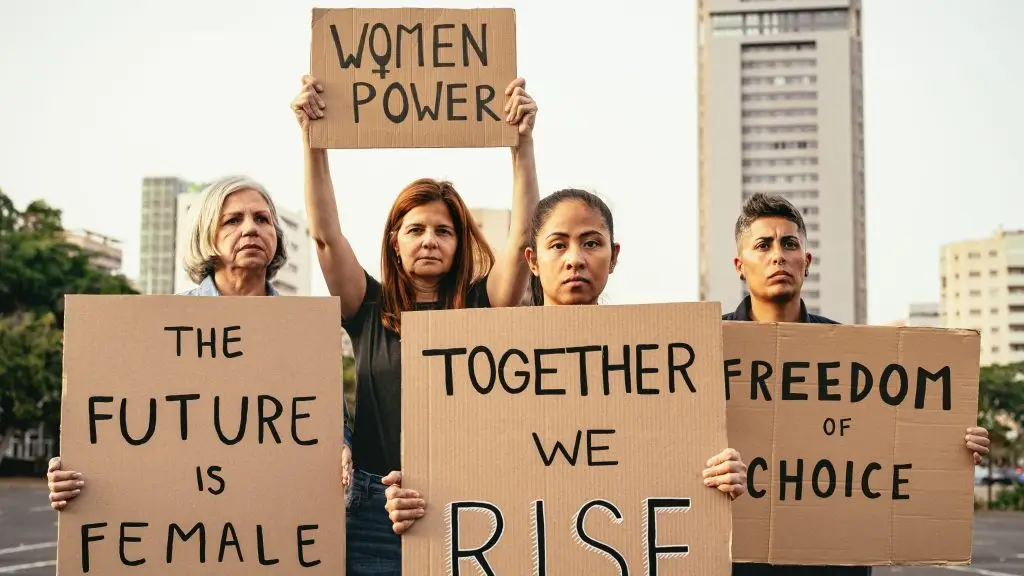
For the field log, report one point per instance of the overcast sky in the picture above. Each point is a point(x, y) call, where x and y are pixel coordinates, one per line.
point(95, 95)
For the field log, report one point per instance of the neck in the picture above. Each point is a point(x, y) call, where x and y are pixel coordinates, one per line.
point(425, 290)
point(241, 282)
point(773, 311)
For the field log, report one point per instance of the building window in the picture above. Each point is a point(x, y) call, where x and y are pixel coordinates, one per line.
point(778, 22)
point(779, 96)
point(786, 80)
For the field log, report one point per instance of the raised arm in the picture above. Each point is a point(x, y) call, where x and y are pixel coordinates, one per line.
point(342, 272)
point(511, 275)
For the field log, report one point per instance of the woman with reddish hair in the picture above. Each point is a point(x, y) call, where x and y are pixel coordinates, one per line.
point(433, 257)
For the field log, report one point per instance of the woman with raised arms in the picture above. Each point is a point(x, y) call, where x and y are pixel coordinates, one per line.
point(433, 256)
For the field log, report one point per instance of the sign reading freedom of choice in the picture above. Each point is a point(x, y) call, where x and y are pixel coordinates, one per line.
point(413, 77)
point(854, 441)
point(209, 432)
point(574, 436)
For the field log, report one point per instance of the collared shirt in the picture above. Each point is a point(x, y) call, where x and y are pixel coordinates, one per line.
point(742, 314)
point(209, 288)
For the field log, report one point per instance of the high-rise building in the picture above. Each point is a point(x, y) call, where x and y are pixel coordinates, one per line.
point(104, 252)
point(292, 280)
point(924, 314)
point(780, 111)
point(983, 289)
point(157, 234)
point(494, 223)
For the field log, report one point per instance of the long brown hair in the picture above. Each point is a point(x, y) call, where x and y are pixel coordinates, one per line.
point(473, 256)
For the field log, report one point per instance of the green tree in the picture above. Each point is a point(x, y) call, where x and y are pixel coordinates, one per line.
point(38, 267)
point(1000, 409)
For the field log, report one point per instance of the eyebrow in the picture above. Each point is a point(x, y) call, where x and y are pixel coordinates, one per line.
point(261, 212)
point(770, 238)
point(566, 234)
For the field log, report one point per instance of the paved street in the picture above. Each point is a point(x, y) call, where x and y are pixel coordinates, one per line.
point(28, 534)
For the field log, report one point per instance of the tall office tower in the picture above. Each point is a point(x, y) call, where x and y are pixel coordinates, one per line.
point(983, 289)
point(157, 234)
point(780, 111)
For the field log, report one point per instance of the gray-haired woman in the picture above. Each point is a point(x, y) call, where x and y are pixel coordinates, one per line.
point(235, 247)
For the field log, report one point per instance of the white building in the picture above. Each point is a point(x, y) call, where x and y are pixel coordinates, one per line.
point(983, 289)
point(292, 280)
point(924, 314)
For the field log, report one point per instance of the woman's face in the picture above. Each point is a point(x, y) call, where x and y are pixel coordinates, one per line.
point(426, 241)
point(245, 236)
point(574, 255)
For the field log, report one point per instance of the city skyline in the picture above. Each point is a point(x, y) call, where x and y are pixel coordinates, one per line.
point(941, 164)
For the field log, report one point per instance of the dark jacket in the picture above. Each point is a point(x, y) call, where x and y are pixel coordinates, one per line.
point(742, 314)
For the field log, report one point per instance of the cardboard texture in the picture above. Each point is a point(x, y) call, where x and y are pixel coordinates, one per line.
point(640, 442)
point(226, 506)
point(413, 77)
point(915, 442)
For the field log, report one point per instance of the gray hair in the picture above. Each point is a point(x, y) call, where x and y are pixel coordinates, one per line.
point(201, 255)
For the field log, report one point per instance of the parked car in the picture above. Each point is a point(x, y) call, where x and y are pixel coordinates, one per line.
point(984, 476)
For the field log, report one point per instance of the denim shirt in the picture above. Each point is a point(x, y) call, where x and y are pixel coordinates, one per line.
point(209, 288)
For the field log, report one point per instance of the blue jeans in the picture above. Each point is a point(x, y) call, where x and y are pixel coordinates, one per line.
point(372, 546)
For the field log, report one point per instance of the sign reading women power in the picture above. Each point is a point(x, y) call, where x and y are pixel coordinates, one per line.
point(209, 432)
point(574, 436)
point(413, 77)
point(854, 441)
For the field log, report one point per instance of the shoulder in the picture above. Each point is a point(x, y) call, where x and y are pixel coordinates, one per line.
point(477, 296)
point(729, 316)
point(815, 319)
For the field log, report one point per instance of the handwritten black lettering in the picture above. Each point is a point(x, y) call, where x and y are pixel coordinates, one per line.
point(896, 382)
point(381, 58)
point(87, 538)
point(825, 479)
point(580, 531)
point(479, 554)
point(438, 45)
point(654, 551)
point(126, 539)
point(678, 358)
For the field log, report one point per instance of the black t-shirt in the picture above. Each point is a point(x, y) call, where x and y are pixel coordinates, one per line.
point(376, 442)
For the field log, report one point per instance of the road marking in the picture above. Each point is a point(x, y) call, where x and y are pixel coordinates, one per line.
point(980, 571)
point(20, 567)
point(27, 547)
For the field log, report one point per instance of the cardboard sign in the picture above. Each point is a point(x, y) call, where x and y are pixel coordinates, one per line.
point(413, 77)
point(571, 438)
point(209, 432)
point(854, 441)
